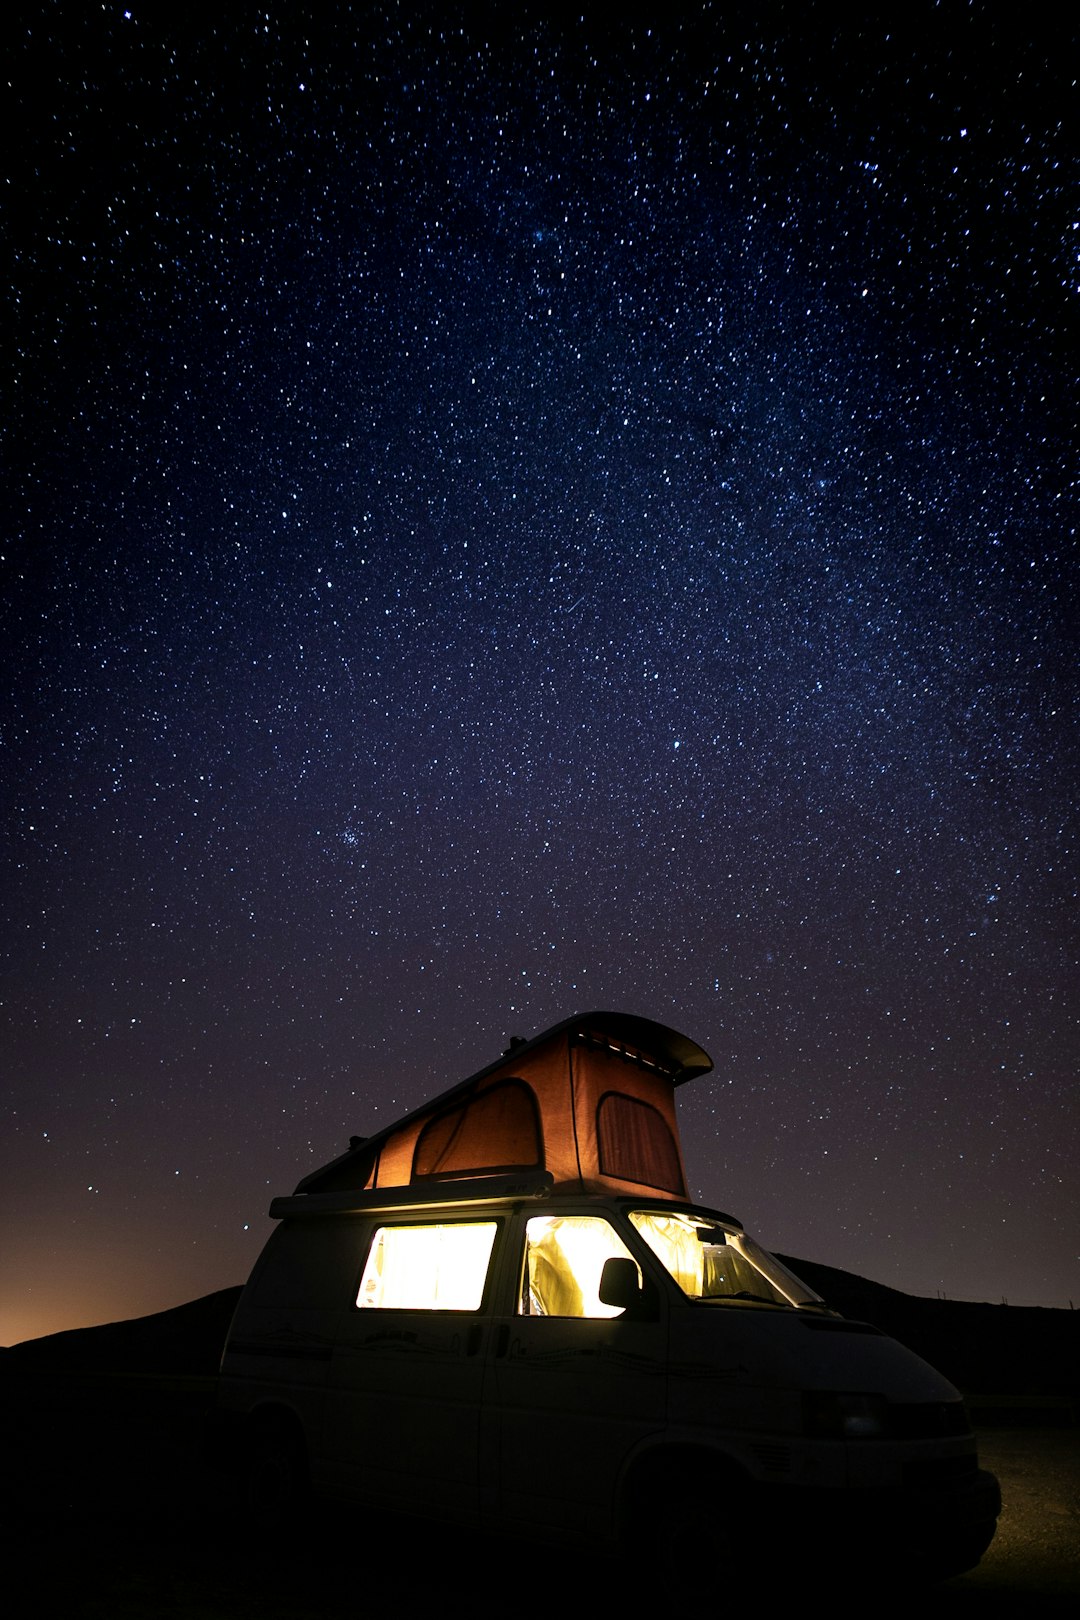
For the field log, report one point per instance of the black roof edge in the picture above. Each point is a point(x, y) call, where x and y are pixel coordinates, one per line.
point(480, 1190)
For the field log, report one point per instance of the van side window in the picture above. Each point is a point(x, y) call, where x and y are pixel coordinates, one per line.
point(427, 1268)
point(564, 1256)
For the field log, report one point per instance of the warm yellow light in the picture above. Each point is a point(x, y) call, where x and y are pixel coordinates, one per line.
point(427, 1268)
point(675, 1242)
point(565, 1256)
point(734, 1267)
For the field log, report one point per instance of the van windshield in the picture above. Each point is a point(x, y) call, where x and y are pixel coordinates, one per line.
point(714, 1262)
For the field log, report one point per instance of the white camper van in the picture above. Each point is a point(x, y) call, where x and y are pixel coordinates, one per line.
point(505, 1309)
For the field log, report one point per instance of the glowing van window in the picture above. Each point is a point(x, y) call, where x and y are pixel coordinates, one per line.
point(427, 1268)
point(564, 1259)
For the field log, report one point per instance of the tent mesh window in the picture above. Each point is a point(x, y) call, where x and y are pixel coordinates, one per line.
point(636, 1144)
point(497, 1129)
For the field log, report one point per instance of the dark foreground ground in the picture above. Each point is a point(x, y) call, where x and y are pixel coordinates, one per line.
point(108, 1511)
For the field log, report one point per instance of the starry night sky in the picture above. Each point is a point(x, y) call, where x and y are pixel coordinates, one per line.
point(505, 515)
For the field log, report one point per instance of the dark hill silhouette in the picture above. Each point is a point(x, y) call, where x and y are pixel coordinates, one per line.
point(991, 1351)
point(185, 1340)
point(1002, 1351)
point(105, 1445)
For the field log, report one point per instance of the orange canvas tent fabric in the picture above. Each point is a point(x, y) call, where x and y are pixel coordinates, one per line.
point(591, 1102)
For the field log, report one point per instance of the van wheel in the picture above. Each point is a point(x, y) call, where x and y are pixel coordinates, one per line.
point(684, 1515)
point(275, 1478)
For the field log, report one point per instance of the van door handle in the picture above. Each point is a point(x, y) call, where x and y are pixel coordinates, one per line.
point(473, 1340)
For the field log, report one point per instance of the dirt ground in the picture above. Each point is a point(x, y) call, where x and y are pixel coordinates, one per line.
point(1033, 1564)
point(108, 1512)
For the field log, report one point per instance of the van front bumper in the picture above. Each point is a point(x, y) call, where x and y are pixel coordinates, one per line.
point(929, 1530)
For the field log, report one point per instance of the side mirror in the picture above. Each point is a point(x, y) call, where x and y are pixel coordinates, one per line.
point(619, 1285)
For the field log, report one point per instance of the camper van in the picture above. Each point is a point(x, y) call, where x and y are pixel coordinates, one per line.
point(506, 1310)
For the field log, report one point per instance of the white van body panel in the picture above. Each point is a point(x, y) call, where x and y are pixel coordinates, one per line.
point(746, 1348)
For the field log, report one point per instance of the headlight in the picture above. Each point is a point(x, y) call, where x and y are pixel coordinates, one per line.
point(832, 1415)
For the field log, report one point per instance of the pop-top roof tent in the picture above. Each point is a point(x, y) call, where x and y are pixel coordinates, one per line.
point(590, 1101)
